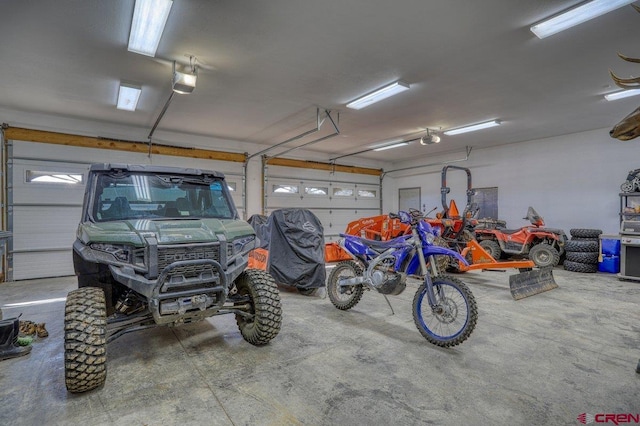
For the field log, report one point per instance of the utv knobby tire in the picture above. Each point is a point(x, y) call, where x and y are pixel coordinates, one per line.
point(492, 248)
point(544, 255)
point(91, 280)
point(265, 306)
point(354, 293)
point(587, 268)
point(85, 339)
point(579, 257)
point(585, 233)
point(582, 246)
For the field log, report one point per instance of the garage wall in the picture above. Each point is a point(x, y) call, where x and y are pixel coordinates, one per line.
point(336, 198)
point(254, 187)
point(44, 216)
point(573, 181)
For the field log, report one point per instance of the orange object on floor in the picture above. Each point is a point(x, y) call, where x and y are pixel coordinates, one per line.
point(258, 259)
point(334, 253)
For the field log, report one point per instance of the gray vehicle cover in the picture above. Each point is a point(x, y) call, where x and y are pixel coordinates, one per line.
point(260, 226)
point(296, 249)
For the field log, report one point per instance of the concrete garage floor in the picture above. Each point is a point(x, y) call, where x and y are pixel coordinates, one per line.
point(542, 360)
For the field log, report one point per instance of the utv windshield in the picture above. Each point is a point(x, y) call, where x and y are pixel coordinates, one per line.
point(121, 196)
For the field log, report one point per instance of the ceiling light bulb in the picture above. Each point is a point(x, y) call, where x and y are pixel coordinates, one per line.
point(380, 94)
point(575, 16)
point(393, 145)
point(149, 19)
point(472, 128)
point(128, 96)
point(620, 94)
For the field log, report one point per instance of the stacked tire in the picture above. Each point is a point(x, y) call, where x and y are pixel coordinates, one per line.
point(582, 250)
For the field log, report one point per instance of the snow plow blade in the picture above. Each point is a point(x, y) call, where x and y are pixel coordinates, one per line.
point(530, 283)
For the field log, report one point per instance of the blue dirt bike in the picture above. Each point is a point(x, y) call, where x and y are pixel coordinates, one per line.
point(444, 309)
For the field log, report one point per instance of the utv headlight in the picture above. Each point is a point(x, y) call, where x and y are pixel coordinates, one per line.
point(244, 245)
point(121, 253)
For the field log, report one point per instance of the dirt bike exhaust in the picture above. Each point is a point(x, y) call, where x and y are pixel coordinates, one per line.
point(530, 283)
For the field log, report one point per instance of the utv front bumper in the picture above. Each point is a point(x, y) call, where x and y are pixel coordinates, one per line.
point(185, 291)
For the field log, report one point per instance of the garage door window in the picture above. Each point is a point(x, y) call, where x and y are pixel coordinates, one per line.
point(366, 193)
point(53, 177)
point(314, 190)
point(342, 192)
point(285, 189)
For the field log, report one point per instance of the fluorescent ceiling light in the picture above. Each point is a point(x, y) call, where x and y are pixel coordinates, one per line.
point(149, 18)
point(128, 96)
point(378, 95)
point(473, 127)
point(577, 15)
point(621, 94)
point(393, 145)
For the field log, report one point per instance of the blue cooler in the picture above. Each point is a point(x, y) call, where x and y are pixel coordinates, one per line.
point(609, 264)
point(610, 245)
point(610, 251)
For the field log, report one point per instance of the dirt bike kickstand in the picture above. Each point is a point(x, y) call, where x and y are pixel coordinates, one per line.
point(389, 303)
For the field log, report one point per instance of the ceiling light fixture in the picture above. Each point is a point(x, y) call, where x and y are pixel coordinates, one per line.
point(390, 146)
point(128, 96)
point(575, 16)
point(429, 139)
point(380, 94)
point(185, 82)
point(621, 94)
point(149, 19)
point(472, 128)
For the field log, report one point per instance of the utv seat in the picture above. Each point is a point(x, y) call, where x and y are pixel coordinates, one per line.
point(182, 205)
point(119, 209)
point(178, 208)
point(170, 209)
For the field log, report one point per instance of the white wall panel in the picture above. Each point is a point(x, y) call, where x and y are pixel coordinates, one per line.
point(573, 181)
point(42, 264)
point(44, 227)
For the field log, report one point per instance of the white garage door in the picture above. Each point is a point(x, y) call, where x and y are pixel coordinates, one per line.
point(46, 186)
point(337, 198)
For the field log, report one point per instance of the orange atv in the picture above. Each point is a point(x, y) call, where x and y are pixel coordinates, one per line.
point(544, 246)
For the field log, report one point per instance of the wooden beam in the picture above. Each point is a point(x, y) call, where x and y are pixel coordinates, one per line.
point(316, 165)
point(28, 135)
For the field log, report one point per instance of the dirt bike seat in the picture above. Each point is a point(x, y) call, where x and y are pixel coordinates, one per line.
point(375, 244)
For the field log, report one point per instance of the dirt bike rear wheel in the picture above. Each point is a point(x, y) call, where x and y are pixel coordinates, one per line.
point(344, 297)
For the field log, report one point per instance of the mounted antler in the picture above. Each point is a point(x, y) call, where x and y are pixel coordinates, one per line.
point(626, 83)
point(629, 127)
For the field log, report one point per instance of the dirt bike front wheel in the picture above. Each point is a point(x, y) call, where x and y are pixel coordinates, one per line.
point(453, 318)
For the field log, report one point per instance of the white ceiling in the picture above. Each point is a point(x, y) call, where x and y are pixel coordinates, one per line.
point(267, 66)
